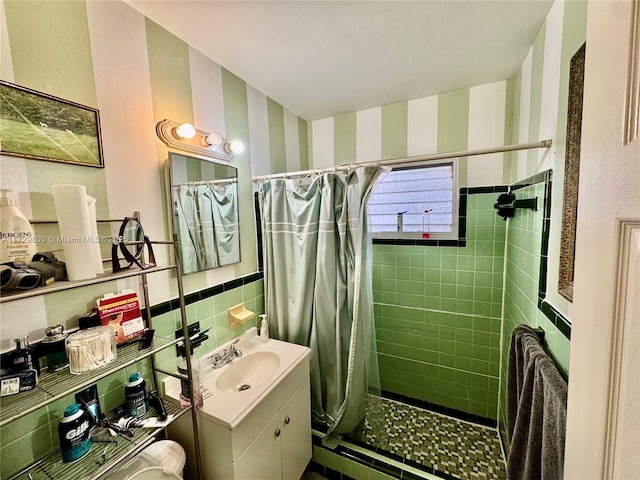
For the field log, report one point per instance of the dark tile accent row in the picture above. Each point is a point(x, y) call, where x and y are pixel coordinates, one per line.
point(537, 178)
point(335, 475)
point(556, 318)
point(544, 247)
point(406, 475)
point(462, 222)
point(194, 297)
point(326, 472)
point(491, 189)
point(314, 466)
point(434, 407)
point(420, 242)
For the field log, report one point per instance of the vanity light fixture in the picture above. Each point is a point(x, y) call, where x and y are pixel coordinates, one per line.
point(186, 130)
point(212, 139)
point(234, 147)
point(184, 136)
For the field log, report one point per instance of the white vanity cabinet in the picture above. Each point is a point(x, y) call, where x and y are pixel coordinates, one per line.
point(283, 448)
point(262, 433)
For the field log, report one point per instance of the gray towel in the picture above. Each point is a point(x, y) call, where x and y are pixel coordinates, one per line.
point(536, 410)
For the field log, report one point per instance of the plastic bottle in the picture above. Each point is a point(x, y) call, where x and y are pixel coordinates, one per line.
point(185, 387)
point(23, 358)
point(18, 243)
point(135, 393)
point(264, 329)
point(73, 431)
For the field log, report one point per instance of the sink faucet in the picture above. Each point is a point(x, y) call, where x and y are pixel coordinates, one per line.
point(227, 356)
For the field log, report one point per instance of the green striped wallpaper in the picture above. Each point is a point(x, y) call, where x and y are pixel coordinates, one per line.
point(535, 102)
point(276, 137)
point(345, 138)
point(394, 131)
point(337, 140)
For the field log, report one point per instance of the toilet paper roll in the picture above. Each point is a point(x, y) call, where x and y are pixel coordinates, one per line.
point(72, 211)
point(97, 253)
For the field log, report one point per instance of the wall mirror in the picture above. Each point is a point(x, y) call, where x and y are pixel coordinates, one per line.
point(204, 196)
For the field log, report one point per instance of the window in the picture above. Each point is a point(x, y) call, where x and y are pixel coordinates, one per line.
point(415, 202)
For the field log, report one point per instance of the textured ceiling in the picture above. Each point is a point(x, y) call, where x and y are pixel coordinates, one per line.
point(324, 58)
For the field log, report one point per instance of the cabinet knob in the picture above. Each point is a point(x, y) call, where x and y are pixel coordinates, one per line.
point(287, 420)
point(278, 432)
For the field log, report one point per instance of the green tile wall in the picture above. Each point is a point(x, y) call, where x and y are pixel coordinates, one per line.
point(438, 315)
point(212, 312)
point(522, 271)
point(30, 438)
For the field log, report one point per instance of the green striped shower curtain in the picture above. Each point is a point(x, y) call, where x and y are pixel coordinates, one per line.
point(318, 290)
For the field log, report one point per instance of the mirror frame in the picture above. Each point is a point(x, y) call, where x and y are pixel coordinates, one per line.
point(571, 174)
point(172, 202)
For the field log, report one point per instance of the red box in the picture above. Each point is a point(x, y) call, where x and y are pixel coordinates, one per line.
point(121, 311)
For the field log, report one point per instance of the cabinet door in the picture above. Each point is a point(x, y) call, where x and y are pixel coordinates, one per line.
point(296, 433)
point(261, 459)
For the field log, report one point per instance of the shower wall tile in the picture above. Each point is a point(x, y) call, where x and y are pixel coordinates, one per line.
point(438, 315)
point(521, 288)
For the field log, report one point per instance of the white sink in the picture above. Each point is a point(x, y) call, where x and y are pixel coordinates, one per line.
point(248, 372)
point(233, 391)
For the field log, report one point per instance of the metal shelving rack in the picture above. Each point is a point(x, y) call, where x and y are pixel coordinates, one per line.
point(53, 386)
point(56, 385)
point(101, 458)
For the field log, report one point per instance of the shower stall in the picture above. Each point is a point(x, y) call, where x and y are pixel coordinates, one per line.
point(438, 313)
point(438, 310)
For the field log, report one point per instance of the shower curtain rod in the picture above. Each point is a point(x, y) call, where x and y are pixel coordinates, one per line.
point(221, 181)
point(421, 158)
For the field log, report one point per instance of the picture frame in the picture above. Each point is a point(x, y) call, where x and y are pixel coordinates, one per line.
point(571, 174)
point(43, 127)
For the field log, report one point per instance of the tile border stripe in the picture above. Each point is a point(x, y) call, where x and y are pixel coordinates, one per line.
point(193, 297)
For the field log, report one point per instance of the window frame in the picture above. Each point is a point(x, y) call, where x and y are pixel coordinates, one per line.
point(455, 213)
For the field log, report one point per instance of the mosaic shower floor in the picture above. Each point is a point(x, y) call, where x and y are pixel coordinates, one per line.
point(460, 449)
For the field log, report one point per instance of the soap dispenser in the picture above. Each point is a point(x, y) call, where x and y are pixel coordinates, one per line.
point(264, 329)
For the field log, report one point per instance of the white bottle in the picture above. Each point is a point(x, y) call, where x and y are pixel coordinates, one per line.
point(17, 240)
point(264, 329)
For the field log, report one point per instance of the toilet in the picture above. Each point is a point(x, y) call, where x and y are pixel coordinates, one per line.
point(162, 460)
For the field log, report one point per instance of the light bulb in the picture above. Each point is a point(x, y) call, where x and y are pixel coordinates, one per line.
point(186, 130)
point(212, 139)
point(234, 147)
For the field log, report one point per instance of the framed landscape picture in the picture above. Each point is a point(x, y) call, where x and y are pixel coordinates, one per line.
point(40, 126)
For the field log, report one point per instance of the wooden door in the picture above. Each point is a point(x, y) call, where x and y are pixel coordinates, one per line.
point(603, 424)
